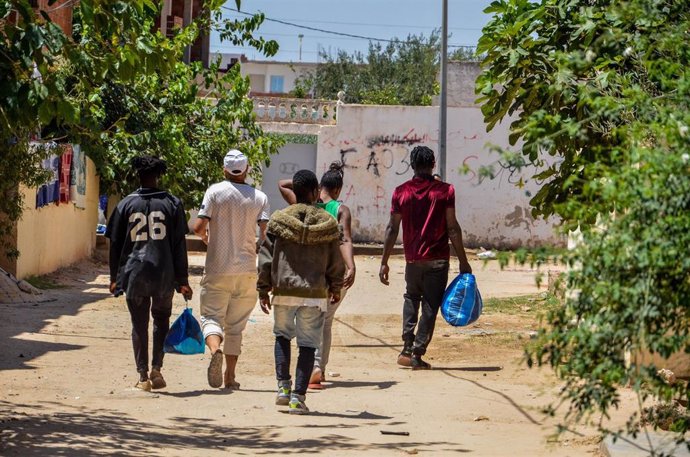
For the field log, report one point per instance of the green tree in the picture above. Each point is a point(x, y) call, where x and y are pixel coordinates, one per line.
point(403, 72)
point(118, 87)
point(598, 95)
point(465, 54)
point(189, 116)
point(34, 94)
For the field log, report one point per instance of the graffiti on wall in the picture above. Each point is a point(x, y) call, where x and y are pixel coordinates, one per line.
point(383, 158)
point(382, 151)
point(375, 144)
point(376, 164)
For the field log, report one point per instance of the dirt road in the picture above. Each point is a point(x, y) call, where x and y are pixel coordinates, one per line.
point(67, 373)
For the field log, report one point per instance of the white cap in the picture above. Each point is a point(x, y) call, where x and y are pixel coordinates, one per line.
point(235, 162)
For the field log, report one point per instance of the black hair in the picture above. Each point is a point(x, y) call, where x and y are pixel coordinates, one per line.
point(303, 183)
point(422, 158)
point(333, 178)
point(149, 166)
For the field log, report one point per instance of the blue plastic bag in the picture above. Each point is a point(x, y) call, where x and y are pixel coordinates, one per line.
point(462, 303)
point(185, 336)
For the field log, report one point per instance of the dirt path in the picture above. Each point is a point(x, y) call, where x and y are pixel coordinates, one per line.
point(66, 373)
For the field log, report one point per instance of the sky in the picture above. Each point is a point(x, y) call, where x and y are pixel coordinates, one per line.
point(384, 19)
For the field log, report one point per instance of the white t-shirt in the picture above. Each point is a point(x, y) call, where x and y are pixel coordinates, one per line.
point(233, 211)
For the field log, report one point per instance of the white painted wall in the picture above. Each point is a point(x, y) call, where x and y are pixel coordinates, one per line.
point(290, 159)
point(375, 142)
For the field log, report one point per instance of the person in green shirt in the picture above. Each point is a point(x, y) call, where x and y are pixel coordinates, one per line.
point(330, 187)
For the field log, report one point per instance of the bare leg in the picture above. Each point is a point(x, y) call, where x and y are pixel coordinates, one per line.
point(231, 363)
point(215, 367)
point(213, 343)
point(316, 379)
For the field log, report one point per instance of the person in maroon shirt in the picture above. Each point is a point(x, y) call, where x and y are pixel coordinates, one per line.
point(426, 207)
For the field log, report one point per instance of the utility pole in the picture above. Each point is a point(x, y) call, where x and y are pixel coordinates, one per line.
point(443, 101)
point(300, 36)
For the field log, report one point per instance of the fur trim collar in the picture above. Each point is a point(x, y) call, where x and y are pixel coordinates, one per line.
point(304, 224)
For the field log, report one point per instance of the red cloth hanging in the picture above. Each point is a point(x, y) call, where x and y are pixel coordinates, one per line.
point(65, 170)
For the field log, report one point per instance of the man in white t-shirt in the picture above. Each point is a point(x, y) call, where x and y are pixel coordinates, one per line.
point(227, 223)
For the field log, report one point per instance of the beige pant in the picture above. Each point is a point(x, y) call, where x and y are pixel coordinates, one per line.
point(226, 303)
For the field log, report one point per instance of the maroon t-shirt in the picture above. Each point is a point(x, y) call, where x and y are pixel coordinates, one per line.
point(422, 202)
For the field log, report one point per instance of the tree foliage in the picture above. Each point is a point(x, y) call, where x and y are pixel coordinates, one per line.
point(403, 72)
point(598, 93)
point(119, 87)
point(465, 54)
point(32, 48)
point(189, 116)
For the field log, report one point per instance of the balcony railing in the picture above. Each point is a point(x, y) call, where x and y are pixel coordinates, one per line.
point(304, 111)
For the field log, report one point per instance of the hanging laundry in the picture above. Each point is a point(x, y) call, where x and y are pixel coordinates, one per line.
point(78, 177)
point(65, 172)
point(50, 191)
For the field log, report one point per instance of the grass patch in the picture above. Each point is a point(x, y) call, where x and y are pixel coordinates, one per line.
point(44, 282)
point(521, 304)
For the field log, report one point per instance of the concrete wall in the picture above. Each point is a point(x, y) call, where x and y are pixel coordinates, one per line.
point(55, 236)
point(290, 159)
point(375, 142)
point(461, 83)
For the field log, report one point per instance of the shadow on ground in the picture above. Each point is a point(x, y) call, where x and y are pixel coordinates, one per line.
point(449, 372)
point(378, 384)
point(86, 432)
point(20, 318)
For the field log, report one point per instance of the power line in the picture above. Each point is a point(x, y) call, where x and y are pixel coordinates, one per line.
point(472, 29)
point(316, 29)
point(231, 47)
point(325, 37)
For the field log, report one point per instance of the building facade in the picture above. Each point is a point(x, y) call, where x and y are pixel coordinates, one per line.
point(267, 77)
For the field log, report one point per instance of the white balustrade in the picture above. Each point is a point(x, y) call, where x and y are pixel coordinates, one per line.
point(305, 111)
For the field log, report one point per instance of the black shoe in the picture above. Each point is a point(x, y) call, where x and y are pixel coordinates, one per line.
point(405, 357)
point(418, 364)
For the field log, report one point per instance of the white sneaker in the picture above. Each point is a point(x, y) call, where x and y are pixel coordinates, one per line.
point(297, 405)
point(284, 391)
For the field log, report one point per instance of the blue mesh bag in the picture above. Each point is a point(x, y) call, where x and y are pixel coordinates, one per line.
point(185, 336)
point(462, 303)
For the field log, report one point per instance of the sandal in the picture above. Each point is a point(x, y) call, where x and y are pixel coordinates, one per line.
point(215, 369)
point(316, 379)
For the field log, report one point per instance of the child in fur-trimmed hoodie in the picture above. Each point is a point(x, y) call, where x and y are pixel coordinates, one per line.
point(301, 265)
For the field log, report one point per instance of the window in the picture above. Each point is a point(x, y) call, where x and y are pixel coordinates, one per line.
point(277, 84)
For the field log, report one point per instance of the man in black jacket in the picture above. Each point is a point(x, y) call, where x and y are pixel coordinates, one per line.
point(148, 262)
